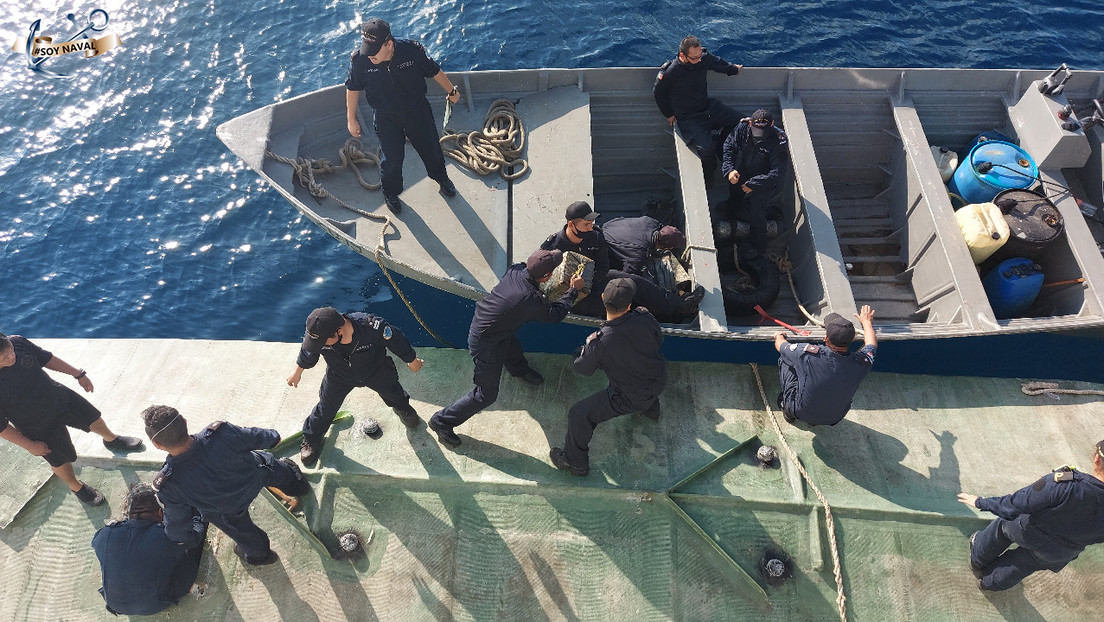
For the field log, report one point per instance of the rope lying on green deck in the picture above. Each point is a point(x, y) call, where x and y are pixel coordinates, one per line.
point(830, 522)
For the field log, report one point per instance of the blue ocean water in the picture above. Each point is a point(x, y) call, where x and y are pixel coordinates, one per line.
point(124, 216)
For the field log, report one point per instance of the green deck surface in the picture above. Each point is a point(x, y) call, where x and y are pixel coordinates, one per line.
point(492, 531)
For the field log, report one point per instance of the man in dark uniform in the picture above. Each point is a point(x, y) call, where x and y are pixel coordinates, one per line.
point(1050, 521)
point(819, 382)
point(355, 348)
point(633, 242)
point(681, 92)
point(392, 73)
point(145, 572)
point(35, 410)
point(754, 158)
point(627, 349)
point(583, 236)
point(492, 342)
point(218, 472)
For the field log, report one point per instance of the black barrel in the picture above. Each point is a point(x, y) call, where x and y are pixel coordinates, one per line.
point(1033, 222)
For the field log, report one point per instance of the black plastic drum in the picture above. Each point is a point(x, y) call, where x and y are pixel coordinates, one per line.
point(1033, 222)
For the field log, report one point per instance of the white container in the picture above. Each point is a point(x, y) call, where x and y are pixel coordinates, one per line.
point(946, 160)
point(984, 228)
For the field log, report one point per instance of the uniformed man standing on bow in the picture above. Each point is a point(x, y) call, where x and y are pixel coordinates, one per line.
point(1050, 521)
point(218, 472)
point(392, 74)
point(492, 342)
point(143, 570)
point(819, 381)
point(681, 92)
point(627, 349)
point(355, 348)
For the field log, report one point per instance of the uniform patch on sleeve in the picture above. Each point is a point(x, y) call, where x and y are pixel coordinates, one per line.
point(387, 332)
point(811, 348)
point(659, 76)
point(214, 426)
point(794, 347)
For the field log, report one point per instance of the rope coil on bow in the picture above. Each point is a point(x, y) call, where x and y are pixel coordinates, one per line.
point(494, 149)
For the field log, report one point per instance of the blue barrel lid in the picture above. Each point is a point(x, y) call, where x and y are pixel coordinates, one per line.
point(1012, 166)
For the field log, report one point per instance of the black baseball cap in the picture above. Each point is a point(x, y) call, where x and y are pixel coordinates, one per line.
point(841, 332)
point(373, 34)
point(619, 293)
point(322, 323)
point(762, 115)
point(671, 237)
point(581, 209)
point(541, 263)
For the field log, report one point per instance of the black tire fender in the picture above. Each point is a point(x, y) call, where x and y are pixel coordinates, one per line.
point(770, 282)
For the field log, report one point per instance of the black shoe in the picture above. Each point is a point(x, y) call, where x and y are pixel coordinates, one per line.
point(309, 450)
point(393, 203)
point(780, 401)
point(788, 417)
point(532, 377)
point(89, 495)
point(688, 304)
point(408, 416)
point(448, 189)
point(562, 464)
point(300, 486)
point(268, 559)
point(124, 443)
point(444, 433)
point(973, 567)
point(653, 412)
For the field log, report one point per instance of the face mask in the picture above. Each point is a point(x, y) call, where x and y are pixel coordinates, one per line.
point(758, 132)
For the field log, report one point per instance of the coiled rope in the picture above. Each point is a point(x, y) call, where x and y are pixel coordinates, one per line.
point(496, 148)
point(830, 522)
point(1044, 388)
point(785, 266)
point(352, 154)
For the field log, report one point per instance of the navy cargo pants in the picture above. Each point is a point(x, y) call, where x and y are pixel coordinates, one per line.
point(384, 380)
point(418, 125)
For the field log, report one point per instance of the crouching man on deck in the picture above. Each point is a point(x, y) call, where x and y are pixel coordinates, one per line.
point(819, 382)
point(1050, 521)
point(219, 472)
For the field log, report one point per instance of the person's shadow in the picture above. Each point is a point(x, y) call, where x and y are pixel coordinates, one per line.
point(873, 460)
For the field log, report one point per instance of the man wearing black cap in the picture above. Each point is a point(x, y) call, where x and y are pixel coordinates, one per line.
point(634, 241)
point(492, 342)
point(392, 73)
point(627, 349)
point(682, 94)
point(218, 472)
point(355, 348)
point(819, 382)
point(35, 411)
point(145, 572)
point(754, 158)
point(1050, 521)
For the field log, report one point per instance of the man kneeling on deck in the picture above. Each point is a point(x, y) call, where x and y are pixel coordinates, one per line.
point(1050, 521)
point(627, 349)
point(219, 472)
point(819, 382)
point(145, 572)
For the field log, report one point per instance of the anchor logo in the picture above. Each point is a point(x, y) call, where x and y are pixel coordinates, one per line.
point(39, 49)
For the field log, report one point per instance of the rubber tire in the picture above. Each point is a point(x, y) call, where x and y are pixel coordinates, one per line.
point(770, 282)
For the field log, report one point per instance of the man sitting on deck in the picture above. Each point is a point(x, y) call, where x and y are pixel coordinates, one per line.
point(583, 236)
point(145, 572)
point(682, 94)
point(516, 299)
point(627, 349)
point(819, 382)
point(1050, 521)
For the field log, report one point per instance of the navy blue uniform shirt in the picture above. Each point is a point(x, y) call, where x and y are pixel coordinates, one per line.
point(220, 474)
point(397, 85)
point(826, 381)
point(631, 242)
point(137, 560)
point(1055, 518)
point(27, 393)
point(681, 89)
point(627, 349)
point(592, 244)
point(514, 301)
point(355, 361)
point(760, 164)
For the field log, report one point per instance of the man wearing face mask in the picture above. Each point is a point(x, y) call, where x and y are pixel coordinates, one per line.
point(392, 73)
point(754, 159)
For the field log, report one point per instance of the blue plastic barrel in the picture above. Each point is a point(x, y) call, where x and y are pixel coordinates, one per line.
point(992, 167)
point(1012, 286)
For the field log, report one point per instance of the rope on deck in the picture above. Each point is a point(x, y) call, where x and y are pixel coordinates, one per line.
point(1046, 388)
point(785, 266)
point(352, 154)
point(830, 522)
point(494, 149)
